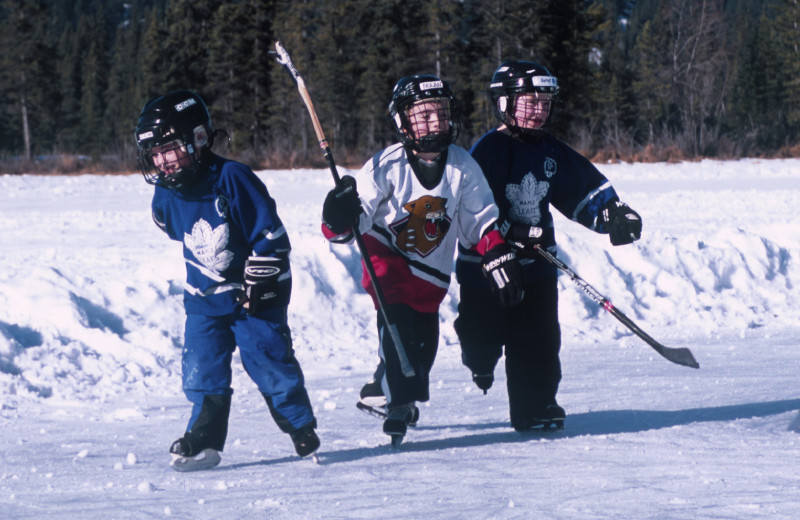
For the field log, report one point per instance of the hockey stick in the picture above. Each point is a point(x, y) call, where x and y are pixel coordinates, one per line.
point(284, 59)
point(680, 356)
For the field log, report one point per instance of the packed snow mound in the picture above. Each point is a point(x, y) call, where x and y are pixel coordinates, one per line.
point(91, 290)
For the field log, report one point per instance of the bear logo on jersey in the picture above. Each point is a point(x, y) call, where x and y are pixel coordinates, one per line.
point(424, 228)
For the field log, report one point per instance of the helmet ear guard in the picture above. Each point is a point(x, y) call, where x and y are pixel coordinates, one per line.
point(502, 103)
point(201, 138)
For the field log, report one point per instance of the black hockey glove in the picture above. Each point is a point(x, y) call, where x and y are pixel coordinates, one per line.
point(523, 237)
point(501, 267)
point(342, 206)
point(262, 289)
point(622, 223)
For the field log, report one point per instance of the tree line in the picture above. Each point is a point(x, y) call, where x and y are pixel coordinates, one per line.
point(640, 80)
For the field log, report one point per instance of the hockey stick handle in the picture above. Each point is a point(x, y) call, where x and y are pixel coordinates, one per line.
point(284, 59)
point(680, 356)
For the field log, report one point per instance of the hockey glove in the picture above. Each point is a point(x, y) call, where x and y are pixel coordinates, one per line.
point(342, 206)
point(622, 223)
point(523, 237)
point(262, 288)
point(501, 267)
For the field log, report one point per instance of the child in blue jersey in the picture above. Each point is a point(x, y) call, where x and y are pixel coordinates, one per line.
point(238, 279)
point(530, 170)
point(416, 199)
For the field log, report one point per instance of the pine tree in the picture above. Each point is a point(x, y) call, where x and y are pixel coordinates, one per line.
point(650, 86)
point(26, 76)
point(94, 82)
point(152, 69)
point(184, 55)
point(122, 95)
point(238, 77)
point(787, 33)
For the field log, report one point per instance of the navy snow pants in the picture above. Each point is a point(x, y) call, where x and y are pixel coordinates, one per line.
point(419, 332)
point(266, 350)
point(531, 336)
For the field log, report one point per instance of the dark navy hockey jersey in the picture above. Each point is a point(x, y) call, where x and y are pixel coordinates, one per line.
point(526, 179)
point(221, 220)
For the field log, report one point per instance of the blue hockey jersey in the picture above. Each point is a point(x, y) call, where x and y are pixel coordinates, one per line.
point(526, 179)
point(221, 220)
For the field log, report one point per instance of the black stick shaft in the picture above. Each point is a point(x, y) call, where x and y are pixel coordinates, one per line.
point(680, 356)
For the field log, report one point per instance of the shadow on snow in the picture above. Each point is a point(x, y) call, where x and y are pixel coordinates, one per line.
point(589, 423)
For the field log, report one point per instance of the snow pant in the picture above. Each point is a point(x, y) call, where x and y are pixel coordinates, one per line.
point(419, 332)
point(266, 350)
point(531, 335)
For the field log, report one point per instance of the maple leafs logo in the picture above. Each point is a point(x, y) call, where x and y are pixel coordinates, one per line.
point(208, 244)
point(526, 198)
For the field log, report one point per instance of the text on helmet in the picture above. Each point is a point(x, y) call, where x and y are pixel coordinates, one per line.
point(185, 104)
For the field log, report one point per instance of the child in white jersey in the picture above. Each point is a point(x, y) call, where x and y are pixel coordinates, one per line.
point(415, 201)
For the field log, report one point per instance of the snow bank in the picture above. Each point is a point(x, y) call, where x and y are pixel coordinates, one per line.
point(90, 291)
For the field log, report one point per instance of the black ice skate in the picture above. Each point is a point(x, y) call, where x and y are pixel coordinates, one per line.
point(371, 399)
point(483, 381)
point(398, 420)
point(372, 394)
point(305, 441)
point(550, 418)
point(380, 412)
point(186, 456)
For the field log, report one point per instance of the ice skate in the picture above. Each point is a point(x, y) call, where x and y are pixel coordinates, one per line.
point(551, 418)
point(305, 441)
point(483, 381)
point(186, 457)
point(398, 420)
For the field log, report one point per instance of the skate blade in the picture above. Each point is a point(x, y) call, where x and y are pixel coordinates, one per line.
point(206, 459)
point(544, 426)
point(379, 412)
point(376, 401)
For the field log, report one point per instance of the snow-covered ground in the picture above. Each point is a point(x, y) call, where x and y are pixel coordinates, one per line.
point(91, 325)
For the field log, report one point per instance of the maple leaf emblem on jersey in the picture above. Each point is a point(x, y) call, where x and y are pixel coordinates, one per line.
point(526, 198)
point(424, 228)
point(208, 245)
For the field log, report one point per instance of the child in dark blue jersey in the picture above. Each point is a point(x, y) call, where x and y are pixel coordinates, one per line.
point(530, 170)
point(238, 279)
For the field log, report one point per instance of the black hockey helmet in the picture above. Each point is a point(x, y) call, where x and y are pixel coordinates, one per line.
point(178, 121)
point(513, 78)
point(410, 90)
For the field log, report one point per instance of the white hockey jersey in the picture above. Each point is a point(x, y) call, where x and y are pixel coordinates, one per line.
point(411, 231)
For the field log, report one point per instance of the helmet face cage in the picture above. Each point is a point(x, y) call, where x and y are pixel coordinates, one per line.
point(171, 134)
point(424, 113)
point(522, 94)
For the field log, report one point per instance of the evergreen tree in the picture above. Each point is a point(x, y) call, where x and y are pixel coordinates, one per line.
point(122, 95)
point(26, 80)
point(787, 33)
point(152, 56)
point(295, 27)
point(238, 78)
point(184, 55)
point(92, 137)
point(650, 86)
